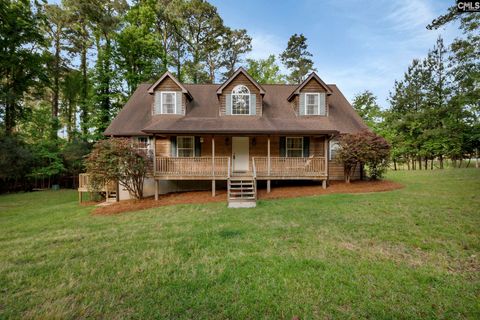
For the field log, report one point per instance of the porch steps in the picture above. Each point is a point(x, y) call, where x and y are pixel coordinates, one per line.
point(242, 192)
point(111, 196)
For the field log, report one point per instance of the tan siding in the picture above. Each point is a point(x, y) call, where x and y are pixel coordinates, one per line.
point(336, 172)
point(169, 85)
point(241, 79)
point(311, 86)
point(162, 147)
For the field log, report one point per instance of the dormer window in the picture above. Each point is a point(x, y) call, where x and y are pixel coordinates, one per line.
point(168, 102)
point(240, 100)
point(313, 104)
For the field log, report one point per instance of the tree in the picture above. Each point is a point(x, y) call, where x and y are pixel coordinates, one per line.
point(79, 38)
point(363, 148)
point(297, 58)
point(56, 26)
point(235, 43)
point(117, 159)
point(139, 52)
point(201, 27)
point(265, 71)
point(21, 62)
point(70, 97)
point(366, 105)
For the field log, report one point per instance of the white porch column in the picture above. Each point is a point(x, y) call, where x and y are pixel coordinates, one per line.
point(268, 165)
point(213, 165)
point(154, 155)
point(326, 149)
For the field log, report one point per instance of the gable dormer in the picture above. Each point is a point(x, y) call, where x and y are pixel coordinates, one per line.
point(169, 96)
point(310, 98)
point(240, 95)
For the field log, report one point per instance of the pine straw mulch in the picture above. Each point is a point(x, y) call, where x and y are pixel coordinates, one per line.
point(198, 197)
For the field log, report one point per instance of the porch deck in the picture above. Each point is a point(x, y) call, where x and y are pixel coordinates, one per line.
point(220, 168)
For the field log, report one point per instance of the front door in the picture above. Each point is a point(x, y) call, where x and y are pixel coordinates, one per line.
point(240, 154)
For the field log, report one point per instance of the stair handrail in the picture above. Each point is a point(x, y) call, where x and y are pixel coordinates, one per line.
point(254, 168)
point(228, 174)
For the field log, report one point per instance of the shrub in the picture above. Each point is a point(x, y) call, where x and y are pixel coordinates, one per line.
point(364, 148)
point(118, 159)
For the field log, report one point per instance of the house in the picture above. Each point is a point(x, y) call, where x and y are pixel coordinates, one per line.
point(238, 133)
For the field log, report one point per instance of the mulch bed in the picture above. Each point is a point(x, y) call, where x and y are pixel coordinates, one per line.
point(198, 197)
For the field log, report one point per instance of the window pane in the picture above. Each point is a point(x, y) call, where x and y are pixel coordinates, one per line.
point(294, 153)
point(294, 143)
point(185, 152)
point(168, 101)
point(311, 99)
point(240, 104)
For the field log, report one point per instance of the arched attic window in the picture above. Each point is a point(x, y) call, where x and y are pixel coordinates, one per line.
point(240, 100)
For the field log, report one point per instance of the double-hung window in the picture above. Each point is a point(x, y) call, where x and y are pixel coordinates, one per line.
point(165, 102)
point(312, 103)
point(185, 146)
point(334, 147)
point(294, 146)
point(240, 100)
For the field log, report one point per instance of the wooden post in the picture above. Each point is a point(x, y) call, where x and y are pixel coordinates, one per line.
point(154, 155)
point(325, 153)
point(268, 165)
point(157, 182)
point(324, 184)
point(213, 166)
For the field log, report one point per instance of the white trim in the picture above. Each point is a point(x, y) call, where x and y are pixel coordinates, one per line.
point(241, 94)
point(174, 102)
point(193, 145)
point(332, 143)
point(317, 113)
point(286, 146)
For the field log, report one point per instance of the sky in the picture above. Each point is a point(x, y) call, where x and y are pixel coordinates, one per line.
point(356, 44)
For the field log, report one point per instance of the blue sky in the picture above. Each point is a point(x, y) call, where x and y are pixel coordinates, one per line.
point(355, 44)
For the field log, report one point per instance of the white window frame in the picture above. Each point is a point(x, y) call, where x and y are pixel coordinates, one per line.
point(307, 104)
point(287, 149)
point(241, 94)
point(192, 149)
point(148, 146)
point(333, 145)
point(174, 102)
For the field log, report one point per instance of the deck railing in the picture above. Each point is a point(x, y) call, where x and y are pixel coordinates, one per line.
point(192, 166)
point(290, 167)
point(85, 184)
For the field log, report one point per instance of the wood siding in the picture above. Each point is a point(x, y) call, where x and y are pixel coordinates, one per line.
point(169, 85)
point(240, 79)
point(311, 86)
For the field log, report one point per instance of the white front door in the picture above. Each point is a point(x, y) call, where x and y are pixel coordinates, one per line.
point(240, 154)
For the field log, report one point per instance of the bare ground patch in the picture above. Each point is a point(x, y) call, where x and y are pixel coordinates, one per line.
point(199, 197)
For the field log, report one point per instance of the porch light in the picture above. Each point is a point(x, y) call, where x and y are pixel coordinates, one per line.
point(201, 139)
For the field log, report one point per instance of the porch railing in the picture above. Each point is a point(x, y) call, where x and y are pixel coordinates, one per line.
point(290, 167)
point(192, 166)
point(84, 184)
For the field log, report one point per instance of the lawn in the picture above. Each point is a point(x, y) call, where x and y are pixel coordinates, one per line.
point(405, 254)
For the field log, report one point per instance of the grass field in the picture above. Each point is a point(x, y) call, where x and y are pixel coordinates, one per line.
point(406, 254)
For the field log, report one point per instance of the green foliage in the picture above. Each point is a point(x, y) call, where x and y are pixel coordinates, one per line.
point(21, 63)
point(48, 162)
point(366, 105)
point(117, 159)
point(297, 58)
point(16, 159)
point(265, 71)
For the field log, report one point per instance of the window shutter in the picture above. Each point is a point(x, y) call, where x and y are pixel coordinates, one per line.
point(228, 104)
point(301, 110)
point(253, 104)
point(322, 105)
point(157, 104)
point(306, 147)
point(282, 143)
point(173, 146)
point(198, 147)
point(178, 104)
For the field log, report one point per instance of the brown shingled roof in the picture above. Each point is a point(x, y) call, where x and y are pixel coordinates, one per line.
point(202, 115)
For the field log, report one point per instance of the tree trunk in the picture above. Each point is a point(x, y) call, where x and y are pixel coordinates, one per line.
point(426, 163)
point(431, 163)
point(476, 161)
point(419, 163)
point(84, 93)
point(440, 159)
point(56, 88)
point(394, 165)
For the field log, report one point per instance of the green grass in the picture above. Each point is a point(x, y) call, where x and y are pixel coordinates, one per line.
point(406, 254)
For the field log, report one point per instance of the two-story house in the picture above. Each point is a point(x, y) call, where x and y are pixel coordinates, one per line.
point(238, 133)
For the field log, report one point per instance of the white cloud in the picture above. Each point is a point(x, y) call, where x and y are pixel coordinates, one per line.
point(265, 44)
